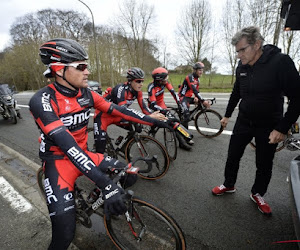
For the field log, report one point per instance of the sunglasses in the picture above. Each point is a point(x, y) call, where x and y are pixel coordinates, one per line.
point(139, 81)
point(78, 66)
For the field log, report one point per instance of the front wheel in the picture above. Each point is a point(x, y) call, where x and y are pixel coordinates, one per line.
point(144, 226)
point(208, 123)
point(170, 143)
point(147, 146)
point(280, 145)
point(13, 115)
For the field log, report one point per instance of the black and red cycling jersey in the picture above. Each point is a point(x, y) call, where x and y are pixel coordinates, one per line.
point(190, 86)
point(62, 115)
point(156, 95)
point(124, 95)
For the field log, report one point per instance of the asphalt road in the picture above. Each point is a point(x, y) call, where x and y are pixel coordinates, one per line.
point(209, 222)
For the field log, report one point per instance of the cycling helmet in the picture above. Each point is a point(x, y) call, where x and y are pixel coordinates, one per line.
point(198, 65)
point(62, 50)
point(135, 73)
point(159, 74)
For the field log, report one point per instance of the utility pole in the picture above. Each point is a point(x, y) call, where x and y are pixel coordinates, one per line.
point(94, 33)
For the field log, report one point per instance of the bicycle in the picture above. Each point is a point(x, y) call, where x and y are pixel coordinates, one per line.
point(143, 226)
point(136, 144)
point(288, 142)
point(207, 121)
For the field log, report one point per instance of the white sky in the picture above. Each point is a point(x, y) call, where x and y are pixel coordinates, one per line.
point(167, 12)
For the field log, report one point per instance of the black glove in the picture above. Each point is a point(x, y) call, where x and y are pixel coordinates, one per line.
point(113, 203)
point(164, 124)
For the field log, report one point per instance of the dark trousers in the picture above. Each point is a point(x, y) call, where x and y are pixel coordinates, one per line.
point(242, 135)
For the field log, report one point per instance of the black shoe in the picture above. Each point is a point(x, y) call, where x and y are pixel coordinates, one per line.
point(182, 143)
point(19, 115)
point(190, 142)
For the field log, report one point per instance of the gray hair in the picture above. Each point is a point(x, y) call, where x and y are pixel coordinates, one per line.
point(252, 34)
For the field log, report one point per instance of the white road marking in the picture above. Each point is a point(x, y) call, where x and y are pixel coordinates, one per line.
point(17, 201)
point(225, 132)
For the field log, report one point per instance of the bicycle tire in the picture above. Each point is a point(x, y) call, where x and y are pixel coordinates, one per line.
point(147, 146)
point(157, 229)
point(280, 146)
point(170, 143)
point(208, 123)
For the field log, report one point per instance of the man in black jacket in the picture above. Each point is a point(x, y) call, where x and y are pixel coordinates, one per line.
point(264, 75)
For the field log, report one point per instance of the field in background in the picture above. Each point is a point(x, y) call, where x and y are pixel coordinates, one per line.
point(217, 83)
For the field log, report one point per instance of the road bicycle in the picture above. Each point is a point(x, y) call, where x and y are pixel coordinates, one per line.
point(167, 136)
point(207, 121)
point(136, 144)
point(290, 142)
point(143, 226)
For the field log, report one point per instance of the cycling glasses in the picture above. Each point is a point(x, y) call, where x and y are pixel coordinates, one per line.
point(79, 66)
point(139, 81)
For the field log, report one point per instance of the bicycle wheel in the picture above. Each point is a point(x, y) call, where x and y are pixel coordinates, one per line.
point(147, 146)
point(170, 143)
point(279, 147)
point(40, 176)
point(144, 226)
point(207, 123)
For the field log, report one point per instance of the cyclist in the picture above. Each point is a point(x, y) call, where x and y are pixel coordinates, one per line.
point(124, 94)
point(61, 111)
point(189, 91)
point(156, 100)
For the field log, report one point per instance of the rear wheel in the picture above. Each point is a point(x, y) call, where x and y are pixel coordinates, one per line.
point(147, 146)
point(208, 123)
point(144, 226)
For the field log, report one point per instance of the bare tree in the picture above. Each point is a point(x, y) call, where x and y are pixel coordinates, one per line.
point(233, 19)
point(134, 23)
point(192, 30)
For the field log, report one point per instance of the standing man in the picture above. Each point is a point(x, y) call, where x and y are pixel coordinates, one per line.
point(263, 76)
point(189, 92)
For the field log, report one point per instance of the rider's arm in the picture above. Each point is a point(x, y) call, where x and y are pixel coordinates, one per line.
point(173, 93)
point(152, 98)
point(194, 88)
point(142, 104)
point(126, 113)
point(44, 111)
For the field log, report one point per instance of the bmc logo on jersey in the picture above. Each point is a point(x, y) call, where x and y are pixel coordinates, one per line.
point(76, 119)
point(81, 158)
point(46, 102)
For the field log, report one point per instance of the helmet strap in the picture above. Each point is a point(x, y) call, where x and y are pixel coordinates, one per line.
point(64, 78)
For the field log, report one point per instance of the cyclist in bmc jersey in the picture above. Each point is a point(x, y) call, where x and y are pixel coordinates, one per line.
point(190, 87)
point(156, 101)
point(124, 94)
point(61, 111)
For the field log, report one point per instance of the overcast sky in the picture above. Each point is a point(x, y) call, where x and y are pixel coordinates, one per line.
point(167, 11)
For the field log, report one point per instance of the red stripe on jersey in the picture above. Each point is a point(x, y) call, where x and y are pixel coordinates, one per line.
point(46, 129)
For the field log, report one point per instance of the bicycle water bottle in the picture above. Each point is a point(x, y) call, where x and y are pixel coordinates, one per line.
point(182, 130)
point(93, 196)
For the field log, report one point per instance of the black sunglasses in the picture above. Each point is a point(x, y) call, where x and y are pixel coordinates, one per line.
point(139, 81)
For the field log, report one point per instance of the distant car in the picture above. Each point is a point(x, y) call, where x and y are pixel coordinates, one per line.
point(96, 86)
point(294, 181)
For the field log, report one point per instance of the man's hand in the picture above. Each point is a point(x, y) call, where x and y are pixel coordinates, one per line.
point(113, 203)
point(224, 121)
point(206, 104)
point(159, 116)
point(276, 137)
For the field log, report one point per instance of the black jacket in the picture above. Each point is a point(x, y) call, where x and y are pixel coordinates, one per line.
point(260, 89)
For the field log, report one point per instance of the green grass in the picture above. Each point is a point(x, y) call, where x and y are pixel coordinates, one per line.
point(218, 83)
